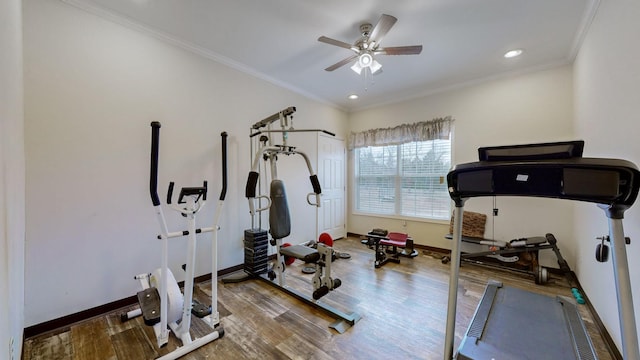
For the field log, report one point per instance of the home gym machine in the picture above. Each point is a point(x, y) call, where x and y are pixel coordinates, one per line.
point(512, 323)
point(256, 240)
point(168, 306)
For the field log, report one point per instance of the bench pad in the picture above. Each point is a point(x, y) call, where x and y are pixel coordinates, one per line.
point(395, 239)
point(301, 252)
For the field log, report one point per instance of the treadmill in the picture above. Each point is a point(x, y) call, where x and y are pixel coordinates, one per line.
point(511, 323)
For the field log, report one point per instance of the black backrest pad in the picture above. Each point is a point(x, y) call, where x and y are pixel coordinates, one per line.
point(279, 219)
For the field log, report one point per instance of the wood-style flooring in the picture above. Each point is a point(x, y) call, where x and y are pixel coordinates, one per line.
point(403, 309)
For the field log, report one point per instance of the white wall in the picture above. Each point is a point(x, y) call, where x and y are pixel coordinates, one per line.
point(12, 222)
point(91, 89)
point(534, 107)
point(607, 104)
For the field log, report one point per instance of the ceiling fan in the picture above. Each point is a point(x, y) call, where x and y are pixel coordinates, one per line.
point(368, 45)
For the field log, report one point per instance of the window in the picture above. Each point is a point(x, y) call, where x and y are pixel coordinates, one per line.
point(404, 180)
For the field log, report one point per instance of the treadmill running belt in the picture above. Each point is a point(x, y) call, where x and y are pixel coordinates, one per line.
point(516, 324)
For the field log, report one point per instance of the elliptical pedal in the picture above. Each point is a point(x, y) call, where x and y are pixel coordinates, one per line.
point(149, 301)
point(200, 310)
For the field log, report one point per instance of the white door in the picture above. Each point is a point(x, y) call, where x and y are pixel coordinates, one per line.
point(331, 173)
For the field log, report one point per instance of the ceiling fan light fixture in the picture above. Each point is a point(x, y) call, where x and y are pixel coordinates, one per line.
point(357, 68)
point(375, 67)
point(365, 60)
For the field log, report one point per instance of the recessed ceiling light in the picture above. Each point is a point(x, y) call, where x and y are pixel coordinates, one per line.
point(513, 53)
point(352, 97)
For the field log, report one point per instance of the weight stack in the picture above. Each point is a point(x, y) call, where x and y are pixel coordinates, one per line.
point(256, 245)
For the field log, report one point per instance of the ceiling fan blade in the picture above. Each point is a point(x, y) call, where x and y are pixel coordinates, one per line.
point(342, 63)
point(382, 28)
point(400, 50)
point(330, 41)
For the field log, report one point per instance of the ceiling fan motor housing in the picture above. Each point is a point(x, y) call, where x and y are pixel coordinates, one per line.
point(365, 29)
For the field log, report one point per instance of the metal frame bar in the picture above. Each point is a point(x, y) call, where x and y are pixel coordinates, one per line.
point(453, 281)
point(622, 279)
point(348, 319)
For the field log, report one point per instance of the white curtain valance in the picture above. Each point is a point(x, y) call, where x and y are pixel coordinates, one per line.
point(438, 128)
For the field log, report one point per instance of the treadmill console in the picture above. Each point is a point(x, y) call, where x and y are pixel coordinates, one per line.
point(554, 170)
point(543, 151)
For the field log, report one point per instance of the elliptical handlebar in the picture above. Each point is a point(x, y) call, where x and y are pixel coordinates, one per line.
point(153, 179)
point(223, 192)
point(153, 176)
point(206, 190)
point(170, 192)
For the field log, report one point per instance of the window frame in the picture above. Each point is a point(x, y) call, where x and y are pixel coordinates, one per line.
point(397, 181)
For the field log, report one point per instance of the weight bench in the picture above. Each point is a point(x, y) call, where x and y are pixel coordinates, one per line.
point(387, 244)
point(518, 255)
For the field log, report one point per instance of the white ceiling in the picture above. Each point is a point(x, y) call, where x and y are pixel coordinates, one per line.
point(463, 40)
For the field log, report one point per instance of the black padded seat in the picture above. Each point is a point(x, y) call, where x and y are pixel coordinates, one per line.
point(301, 252)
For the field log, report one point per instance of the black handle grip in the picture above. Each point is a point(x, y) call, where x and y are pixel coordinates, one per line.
point(252, 181)
point(315, 183)
point(206, 189)
point(153, 178)
point(223, 192)
point(170, 192)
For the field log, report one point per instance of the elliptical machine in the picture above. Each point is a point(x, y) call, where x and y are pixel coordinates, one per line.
point(162, 304)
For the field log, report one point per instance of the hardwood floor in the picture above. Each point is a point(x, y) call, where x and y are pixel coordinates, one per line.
point(403, 309)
